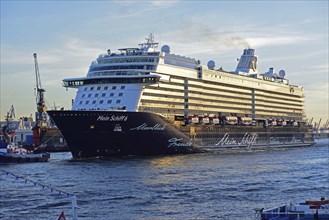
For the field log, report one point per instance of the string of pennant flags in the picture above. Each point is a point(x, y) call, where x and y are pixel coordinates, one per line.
point(35, 184)
point(48, 188)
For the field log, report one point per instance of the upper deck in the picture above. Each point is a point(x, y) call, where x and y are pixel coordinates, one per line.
point(147, 58)
point(162, 82)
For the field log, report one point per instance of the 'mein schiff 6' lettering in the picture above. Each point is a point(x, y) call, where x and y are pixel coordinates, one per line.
point(112, 118)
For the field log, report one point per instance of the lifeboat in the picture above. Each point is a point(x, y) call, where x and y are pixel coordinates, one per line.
point(205, 120)
point(230, 120)
point(245, 121)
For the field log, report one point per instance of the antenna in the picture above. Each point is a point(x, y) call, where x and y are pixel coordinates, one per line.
point(149, 42)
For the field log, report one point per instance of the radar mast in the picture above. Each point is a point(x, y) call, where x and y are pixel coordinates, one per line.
point(149, 43)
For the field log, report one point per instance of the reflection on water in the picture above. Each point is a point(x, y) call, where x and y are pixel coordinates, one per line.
point(222, 185)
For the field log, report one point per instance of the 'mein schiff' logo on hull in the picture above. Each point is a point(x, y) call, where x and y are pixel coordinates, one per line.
point(146, 127)
point(112, 118)
point(248, 140)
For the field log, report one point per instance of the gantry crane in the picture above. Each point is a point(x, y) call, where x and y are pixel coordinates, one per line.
point(41, 118)
point(7, 128)
point(10, 115)
point(40, 115)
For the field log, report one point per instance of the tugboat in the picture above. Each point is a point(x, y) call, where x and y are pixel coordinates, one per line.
point(11, 152)
point(18, 154)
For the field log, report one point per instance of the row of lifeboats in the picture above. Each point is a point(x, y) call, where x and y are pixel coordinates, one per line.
point(233, 120)
point(224, 120)
point(280, 122)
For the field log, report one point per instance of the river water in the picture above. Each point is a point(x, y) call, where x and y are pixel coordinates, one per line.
point(221, 185)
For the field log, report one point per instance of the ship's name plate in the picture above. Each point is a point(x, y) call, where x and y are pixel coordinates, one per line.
point(146, 127)
point(248, 140)
point(112, 118)
point(177, 142)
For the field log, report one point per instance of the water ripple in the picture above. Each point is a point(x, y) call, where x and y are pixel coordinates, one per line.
point(217, 185)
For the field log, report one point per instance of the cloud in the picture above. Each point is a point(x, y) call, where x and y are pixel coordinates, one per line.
point(145, 4)
point(134, 9)
point(71, 49)
point(163, 3)
point(219, 35)
point(276, 40)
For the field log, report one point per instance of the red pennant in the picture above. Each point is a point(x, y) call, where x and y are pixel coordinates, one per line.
point(62, 216)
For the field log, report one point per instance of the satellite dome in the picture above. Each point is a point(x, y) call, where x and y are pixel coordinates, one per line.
point(165, 49)
point(282, 73)
point(211, 64)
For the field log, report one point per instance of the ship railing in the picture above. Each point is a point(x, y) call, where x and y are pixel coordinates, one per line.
point(136, 53)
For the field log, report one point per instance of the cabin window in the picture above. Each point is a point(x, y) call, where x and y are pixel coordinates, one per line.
point(109, 101)
point(94, 102)
point(89, 95)
point(123, 87)
point(80, 103)
point(85, 89)
point(120, 94)
point(83, 95)
point(98, 88)
point(103, 94)
point(101, 101)
point(112, 94)
point(87, 102)
point(106, 87)
point(91, 88)
point(96, 95)
point(118, 101)
point(114, 87)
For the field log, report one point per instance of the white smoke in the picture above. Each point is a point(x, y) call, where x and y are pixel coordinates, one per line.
point(202, 33)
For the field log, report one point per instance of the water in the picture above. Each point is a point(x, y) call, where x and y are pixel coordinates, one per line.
point(222, 185)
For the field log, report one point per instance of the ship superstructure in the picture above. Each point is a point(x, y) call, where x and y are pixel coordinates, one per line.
point(144, 79)
point(179, 99)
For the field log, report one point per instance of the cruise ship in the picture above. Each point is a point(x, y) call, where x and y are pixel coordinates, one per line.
point(146, 101)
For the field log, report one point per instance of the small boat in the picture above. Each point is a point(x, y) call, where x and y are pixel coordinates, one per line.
point(19, 154)
point(312, 209)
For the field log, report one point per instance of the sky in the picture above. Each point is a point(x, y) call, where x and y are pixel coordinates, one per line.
point(69, 35)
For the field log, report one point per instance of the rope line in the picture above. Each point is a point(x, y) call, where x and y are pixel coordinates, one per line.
point(35, 184)
point(59, 192)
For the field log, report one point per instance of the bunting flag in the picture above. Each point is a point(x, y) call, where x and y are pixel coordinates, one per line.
point(46, 188)
point(62, 216)
point(35, 184)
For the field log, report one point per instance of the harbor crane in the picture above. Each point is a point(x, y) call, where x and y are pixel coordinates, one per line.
point(7, 128)
point(10, 114)
point(310, 121)
point(40, 117)
point(318, 126)
point(326, 125)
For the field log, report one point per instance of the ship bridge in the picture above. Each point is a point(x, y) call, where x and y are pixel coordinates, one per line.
point(83, 81)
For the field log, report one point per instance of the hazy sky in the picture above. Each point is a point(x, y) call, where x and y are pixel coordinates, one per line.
point(69, 35)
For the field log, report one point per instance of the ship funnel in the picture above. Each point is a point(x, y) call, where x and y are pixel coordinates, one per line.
point(248, 62)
